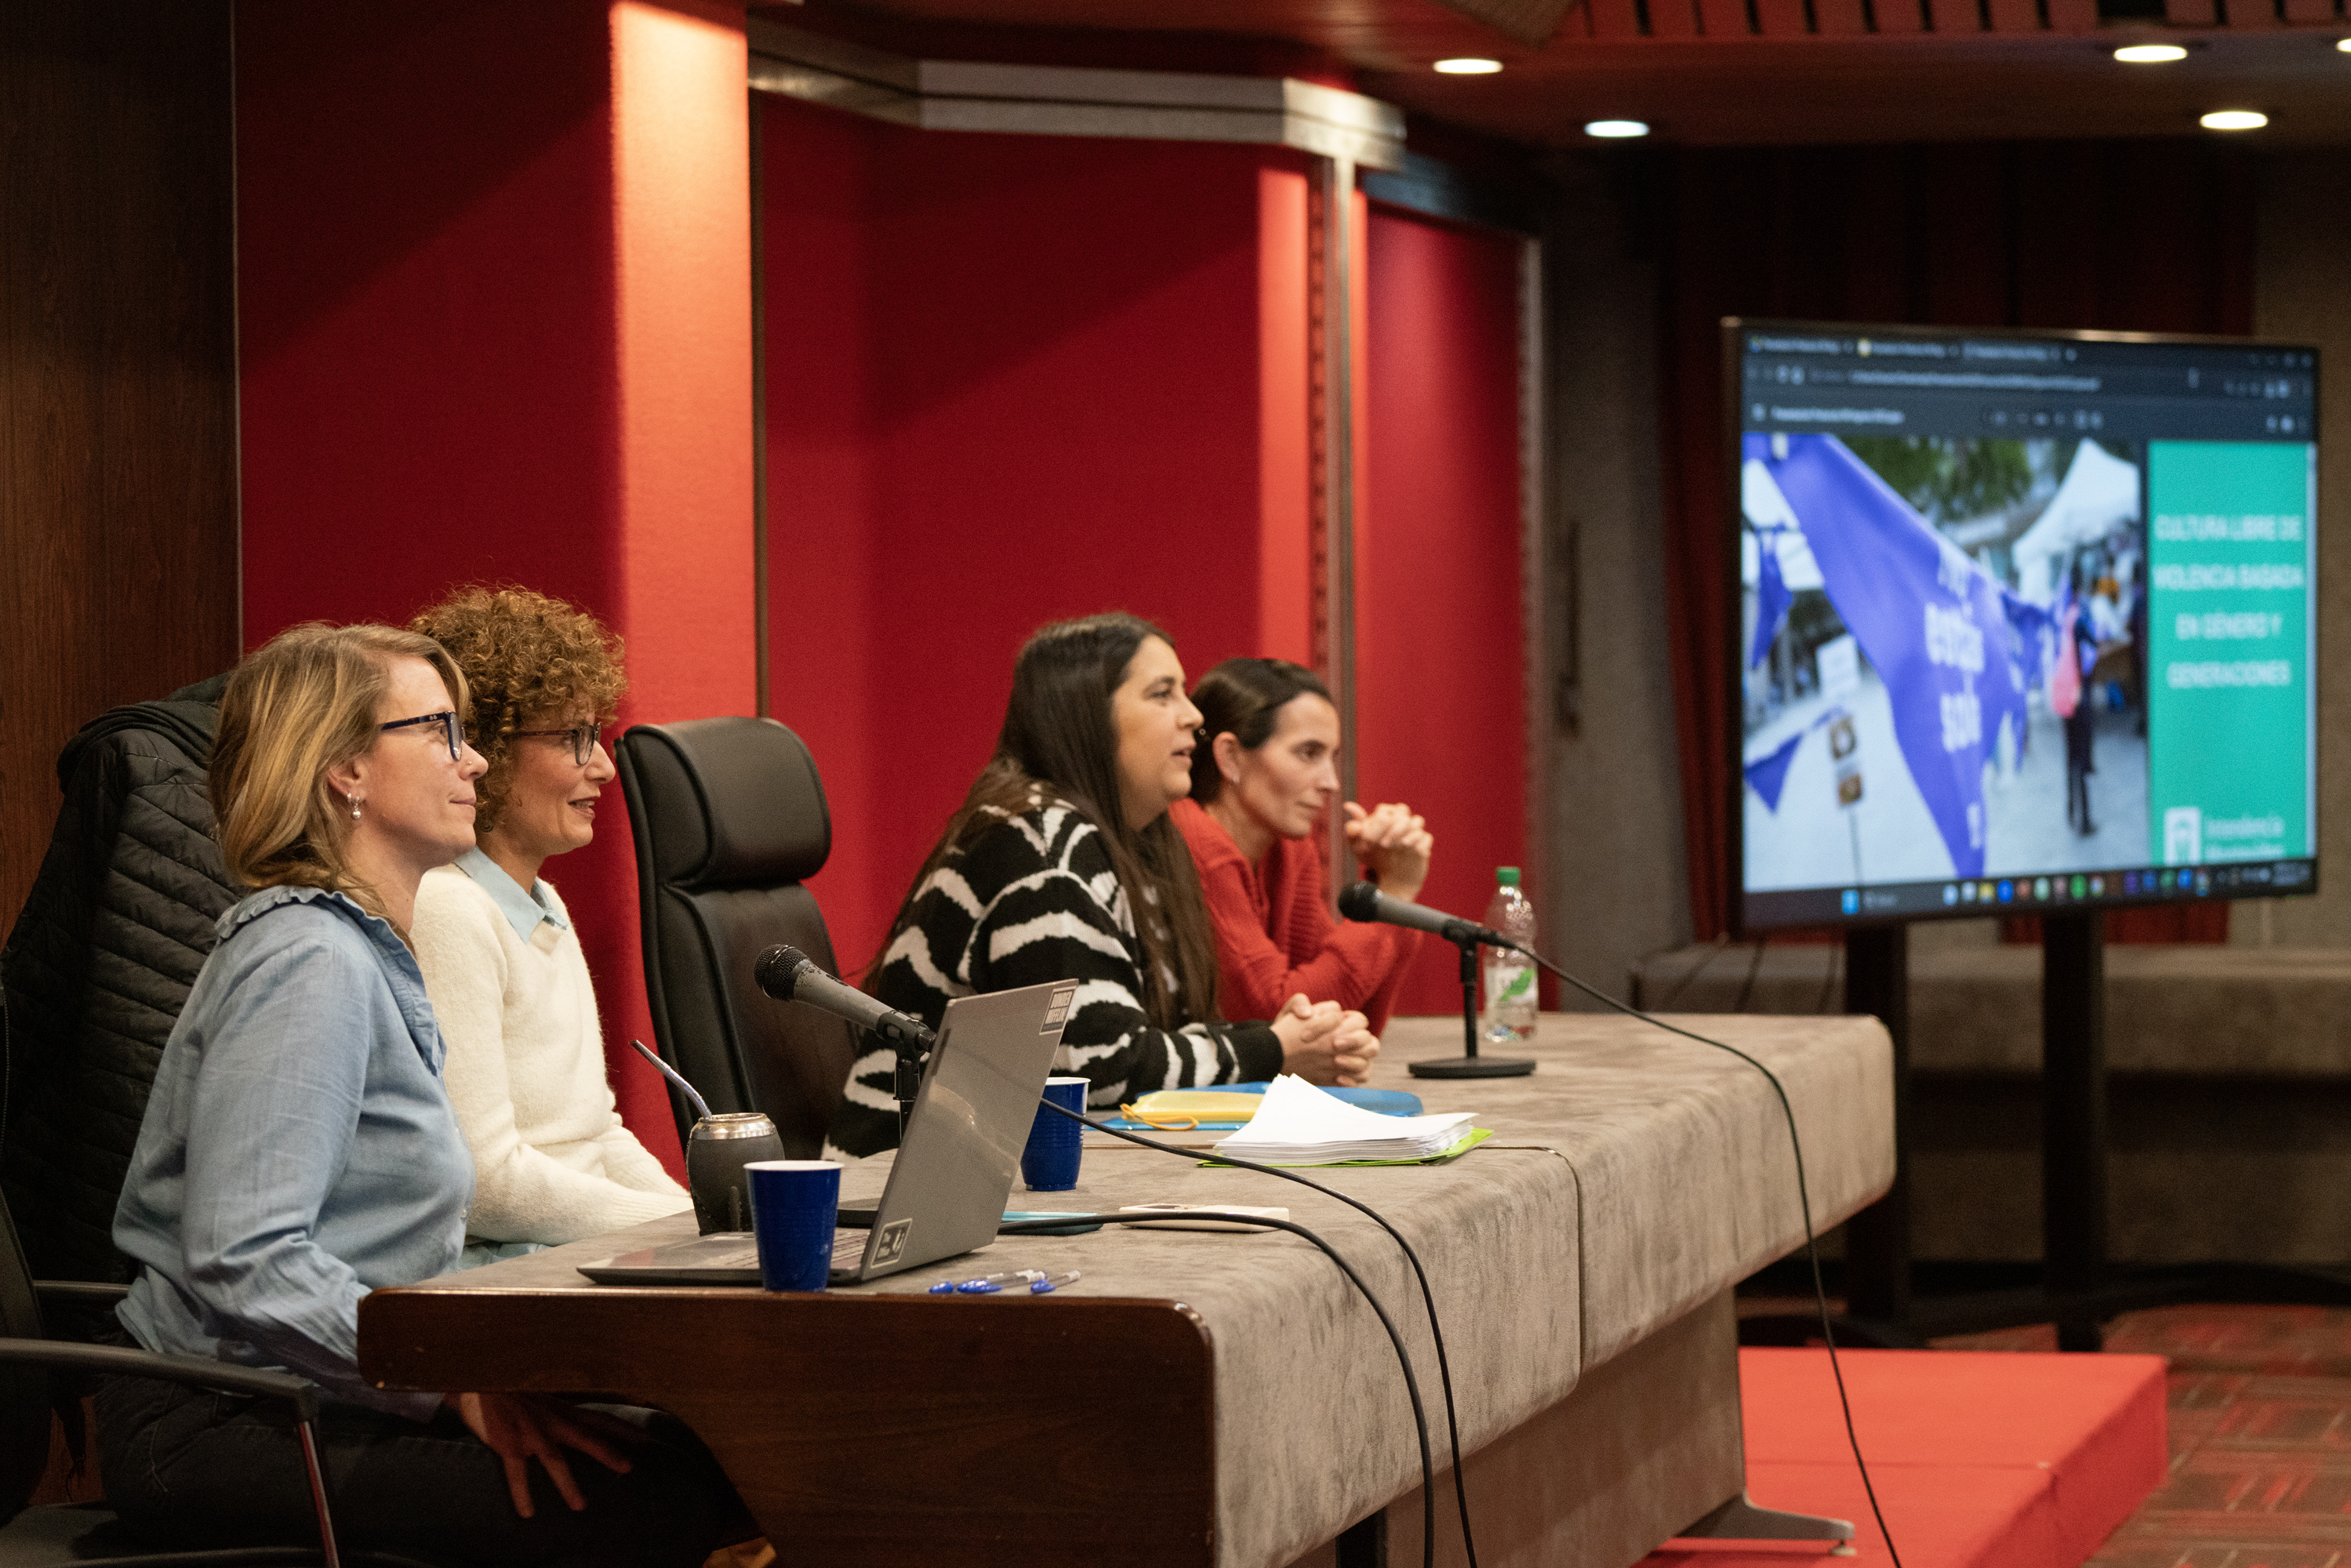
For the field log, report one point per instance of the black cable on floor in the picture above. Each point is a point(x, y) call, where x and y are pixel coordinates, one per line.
point(1803, 1197)
point(1060, 1222)
point(1428, 1297)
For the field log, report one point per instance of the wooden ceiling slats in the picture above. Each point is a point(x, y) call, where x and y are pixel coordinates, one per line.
point(1839, 18)
point(1704, 72)
point(1673, 18)
point(1897, 17)
point(1615, 18)
point(1723, 19)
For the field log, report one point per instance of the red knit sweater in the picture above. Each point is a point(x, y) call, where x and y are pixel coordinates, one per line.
point(1275, 935)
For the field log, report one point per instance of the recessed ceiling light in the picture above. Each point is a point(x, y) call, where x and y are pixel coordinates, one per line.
point(2344, 45)
point(2149, 54)
point(1468, 68)
point(1616, 129)
point(2234, 120)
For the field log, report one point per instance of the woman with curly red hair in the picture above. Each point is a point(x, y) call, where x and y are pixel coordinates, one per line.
point(552, 1161)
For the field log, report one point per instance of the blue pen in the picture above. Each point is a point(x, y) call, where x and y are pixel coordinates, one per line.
point(984, 1283)
point(1049, 1282)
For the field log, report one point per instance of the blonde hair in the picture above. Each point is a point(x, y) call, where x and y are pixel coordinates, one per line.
point(299, 704)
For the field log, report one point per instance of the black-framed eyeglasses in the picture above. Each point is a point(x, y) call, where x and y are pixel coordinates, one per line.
point(451, 730)
point(583, 739)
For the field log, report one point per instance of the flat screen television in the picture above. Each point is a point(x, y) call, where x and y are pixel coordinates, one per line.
point(2025, 620)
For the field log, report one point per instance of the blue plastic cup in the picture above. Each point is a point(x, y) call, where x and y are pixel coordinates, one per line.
point(1049, 1163)
point(795, 1204)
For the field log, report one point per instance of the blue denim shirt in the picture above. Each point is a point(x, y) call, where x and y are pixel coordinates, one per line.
point(299, 1149)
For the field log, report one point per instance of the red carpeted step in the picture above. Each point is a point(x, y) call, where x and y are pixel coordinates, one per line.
point(1982, 1460)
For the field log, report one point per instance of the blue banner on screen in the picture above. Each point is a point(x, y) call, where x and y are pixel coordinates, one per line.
point(1930, 622)
point(1970, 681)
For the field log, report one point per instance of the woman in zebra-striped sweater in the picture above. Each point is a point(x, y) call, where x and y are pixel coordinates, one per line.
point(1062, 865)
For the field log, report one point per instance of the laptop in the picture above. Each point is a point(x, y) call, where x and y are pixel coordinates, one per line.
point(954, 1167)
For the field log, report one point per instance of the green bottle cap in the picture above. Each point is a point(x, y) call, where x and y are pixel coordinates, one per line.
point(1506, 876)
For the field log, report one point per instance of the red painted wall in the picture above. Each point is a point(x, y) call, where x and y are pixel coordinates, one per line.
point(1440, 700)
point(494, 310)
point(1011, 378)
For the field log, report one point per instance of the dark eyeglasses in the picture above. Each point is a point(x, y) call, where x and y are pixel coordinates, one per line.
point(453, 731)
point(583, 740)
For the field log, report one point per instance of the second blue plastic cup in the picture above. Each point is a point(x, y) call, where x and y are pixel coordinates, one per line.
point(1049, 1163)
point(795, 1204)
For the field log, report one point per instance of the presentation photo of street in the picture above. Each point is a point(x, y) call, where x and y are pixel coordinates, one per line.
point(1943, 642)
point(1888, 834)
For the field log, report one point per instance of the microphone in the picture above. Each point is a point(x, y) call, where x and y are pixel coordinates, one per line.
point(789, 974)
point(1366, 902)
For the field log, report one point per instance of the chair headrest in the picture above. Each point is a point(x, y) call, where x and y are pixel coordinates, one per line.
point(726, 801)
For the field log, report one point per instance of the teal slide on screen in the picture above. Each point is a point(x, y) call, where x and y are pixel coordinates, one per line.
point(2231, 728)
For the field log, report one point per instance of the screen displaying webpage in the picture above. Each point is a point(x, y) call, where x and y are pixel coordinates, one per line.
point(2024, 622)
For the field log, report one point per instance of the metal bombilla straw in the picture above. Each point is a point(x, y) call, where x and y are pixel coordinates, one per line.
point(701, 1105)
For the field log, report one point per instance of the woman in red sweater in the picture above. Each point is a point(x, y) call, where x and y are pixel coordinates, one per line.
point(1262, 777)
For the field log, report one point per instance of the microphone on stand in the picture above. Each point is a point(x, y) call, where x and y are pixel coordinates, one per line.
point(1366, 902)
point(789, 974)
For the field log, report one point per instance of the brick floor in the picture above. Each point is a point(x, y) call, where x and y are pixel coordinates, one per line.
point(2260, 1416)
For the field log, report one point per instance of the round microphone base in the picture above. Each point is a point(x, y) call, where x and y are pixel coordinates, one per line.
point(1472, 1067)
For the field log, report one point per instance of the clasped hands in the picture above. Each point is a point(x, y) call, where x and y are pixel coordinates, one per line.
point(1393, 845)
point(1324, 1043)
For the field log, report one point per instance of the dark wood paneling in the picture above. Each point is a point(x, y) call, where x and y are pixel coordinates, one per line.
point(874, 1430)
point(117, 378)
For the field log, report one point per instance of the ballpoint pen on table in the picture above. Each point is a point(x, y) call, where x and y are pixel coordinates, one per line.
point(1050, 1282)
point(984, 1283)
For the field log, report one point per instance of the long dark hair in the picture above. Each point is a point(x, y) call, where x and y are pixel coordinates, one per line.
point(1244, 698)
point(1059, 743)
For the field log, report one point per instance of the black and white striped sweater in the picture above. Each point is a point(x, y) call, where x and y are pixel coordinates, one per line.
point(1033, 900)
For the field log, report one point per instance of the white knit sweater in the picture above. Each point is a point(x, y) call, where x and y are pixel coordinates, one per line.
point(553, 1162)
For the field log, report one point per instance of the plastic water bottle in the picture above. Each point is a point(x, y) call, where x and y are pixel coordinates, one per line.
point(1509, 977)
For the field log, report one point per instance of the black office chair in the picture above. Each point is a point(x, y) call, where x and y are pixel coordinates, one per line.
point(84, 1534)
point(96, 969)
point(729, 820)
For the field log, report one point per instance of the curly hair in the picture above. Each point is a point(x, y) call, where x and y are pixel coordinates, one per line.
point(530, 662)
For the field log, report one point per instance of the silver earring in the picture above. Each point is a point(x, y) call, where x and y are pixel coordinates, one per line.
point(355, 808)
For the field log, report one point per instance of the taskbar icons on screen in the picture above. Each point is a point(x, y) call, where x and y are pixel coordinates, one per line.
point(2027, 894)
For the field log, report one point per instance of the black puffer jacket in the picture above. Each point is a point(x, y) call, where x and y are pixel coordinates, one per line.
point(119, 920)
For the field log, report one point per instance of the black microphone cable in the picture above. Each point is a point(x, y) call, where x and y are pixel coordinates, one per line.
point(1060, 1222)
point(1428, 1297)
point(1804, 1198)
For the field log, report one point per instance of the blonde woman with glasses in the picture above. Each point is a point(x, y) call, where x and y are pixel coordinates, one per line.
point(553, 1162)
point(299, 1151)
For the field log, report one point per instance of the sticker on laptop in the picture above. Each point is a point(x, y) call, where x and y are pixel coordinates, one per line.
point(1058, 1013)
point(893, 1241)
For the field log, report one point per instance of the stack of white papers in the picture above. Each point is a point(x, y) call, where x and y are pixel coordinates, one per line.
point(1300, 1125)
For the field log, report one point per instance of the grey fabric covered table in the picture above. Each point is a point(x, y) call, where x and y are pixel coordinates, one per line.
point(1629, 1183)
